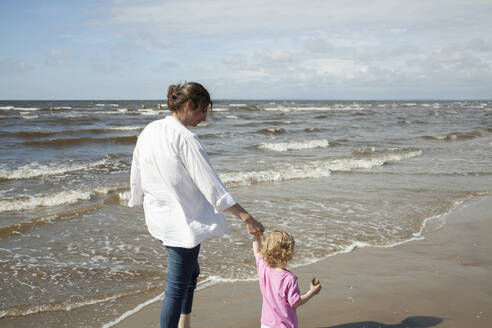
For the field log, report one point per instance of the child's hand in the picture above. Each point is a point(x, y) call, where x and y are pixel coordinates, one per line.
point(315, 286)
point(314, 289)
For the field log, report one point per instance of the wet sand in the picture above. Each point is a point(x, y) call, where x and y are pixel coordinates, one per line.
point(444, 280)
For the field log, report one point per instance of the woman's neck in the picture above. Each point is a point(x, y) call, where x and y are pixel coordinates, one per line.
point(179, 117)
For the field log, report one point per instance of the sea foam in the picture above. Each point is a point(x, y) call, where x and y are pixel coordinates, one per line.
point(45, 200)
point(20, 203)
point(293, 145)
point(35, 169)
point(67, 305)
point(315, 169)
point(20, 108)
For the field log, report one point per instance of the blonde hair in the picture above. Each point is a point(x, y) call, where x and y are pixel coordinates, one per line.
point(278, 248)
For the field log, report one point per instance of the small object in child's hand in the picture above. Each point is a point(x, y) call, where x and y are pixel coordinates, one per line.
point(315, 282)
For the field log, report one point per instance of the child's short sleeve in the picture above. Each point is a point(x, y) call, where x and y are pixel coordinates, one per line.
point(292, 292)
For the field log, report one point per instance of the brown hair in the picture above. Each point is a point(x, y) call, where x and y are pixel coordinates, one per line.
point(278, 248)
point(179, 94)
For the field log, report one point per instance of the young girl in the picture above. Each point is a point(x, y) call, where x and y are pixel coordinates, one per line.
point(281, 295)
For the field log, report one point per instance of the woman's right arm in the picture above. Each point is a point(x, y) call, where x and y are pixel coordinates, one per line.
point(196, 161)
point(254, 227)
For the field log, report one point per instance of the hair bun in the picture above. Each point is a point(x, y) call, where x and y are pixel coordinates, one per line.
point(179, 94)
point(171, 91)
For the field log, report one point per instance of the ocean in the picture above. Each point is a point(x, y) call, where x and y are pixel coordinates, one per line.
point(337, 174)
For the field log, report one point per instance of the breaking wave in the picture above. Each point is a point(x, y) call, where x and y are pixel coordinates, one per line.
point(68, 305)
point(35, 169)
point(316, 169)
point(272, 131)
point(456, 136)
point(21, 203)
point(293, 145)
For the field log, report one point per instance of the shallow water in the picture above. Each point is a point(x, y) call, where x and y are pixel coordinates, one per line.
point(338, 175)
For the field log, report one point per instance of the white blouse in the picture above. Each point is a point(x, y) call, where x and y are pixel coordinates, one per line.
point(172, 177)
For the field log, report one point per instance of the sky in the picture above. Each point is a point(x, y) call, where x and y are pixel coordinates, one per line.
point(255, 49)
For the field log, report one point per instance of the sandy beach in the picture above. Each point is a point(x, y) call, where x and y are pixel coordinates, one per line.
point(443, 280)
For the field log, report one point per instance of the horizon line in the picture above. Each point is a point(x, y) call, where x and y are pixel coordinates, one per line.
point(267, 99)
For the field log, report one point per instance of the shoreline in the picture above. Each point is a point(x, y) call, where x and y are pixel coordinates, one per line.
point(442, 280)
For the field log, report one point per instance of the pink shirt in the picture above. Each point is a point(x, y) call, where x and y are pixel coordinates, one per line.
point(280, 292)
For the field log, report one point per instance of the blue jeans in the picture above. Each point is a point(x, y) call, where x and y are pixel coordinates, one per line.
point(182, 274)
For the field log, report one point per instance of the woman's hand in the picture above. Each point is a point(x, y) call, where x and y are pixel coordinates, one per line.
point(254, 227)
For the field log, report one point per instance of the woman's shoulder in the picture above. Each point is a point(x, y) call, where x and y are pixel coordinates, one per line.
point(170, 127)
point(153, 125)
point(177, 127)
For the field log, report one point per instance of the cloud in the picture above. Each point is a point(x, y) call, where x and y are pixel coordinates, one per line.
point(286, 47)
point(14, 65)
point(56, 57)
point(100, 65)
point(480, 45)
point(235, 62)
point(167, 66)
point(155, 40)
point(320, 65)
point(318, 45)
point(453, 65)
point(275, 31)
point(196, 17)
point(124, 51)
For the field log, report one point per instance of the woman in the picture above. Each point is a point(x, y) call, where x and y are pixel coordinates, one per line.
point(182, 196)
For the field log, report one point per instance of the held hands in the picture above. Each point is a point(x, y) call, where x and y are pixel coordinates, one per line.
point(254, 227)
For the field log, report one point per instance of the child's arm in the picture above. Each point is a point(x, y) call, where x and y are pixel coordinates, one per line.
point(256, 245)
point(313, 290)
